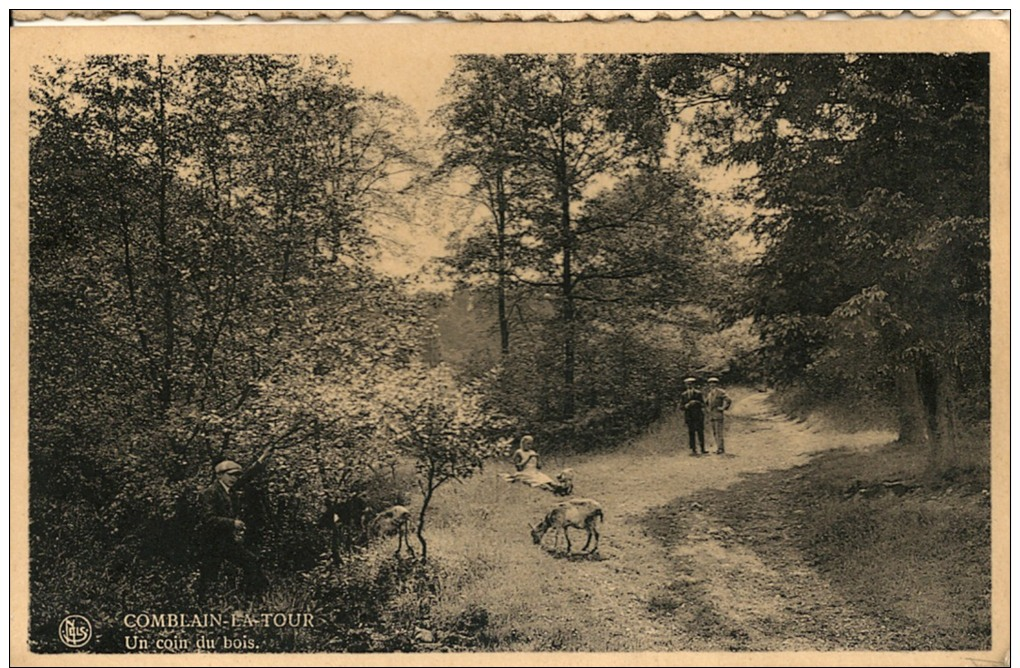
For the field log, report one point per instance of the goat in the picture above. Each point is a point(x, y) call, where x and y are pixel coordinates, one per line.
point(346, 523)
point(564, 483)
point(348, 518)
point(576, 513)
point(394, 520)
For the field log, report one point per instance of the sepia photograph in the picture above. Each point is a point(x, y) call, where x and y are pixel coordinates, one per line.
point(654, 340)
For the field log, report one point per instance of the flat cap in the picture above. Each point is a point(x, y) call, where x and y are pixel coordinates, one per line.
point(227, 465)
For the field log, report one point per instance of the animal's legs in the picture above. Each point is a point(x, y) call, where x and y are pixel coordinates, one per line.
point(595, 531)
point(407, 541)
point(587, 528)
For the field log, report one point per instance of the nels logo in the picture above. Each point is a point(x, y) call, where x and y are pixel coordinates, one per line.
point(75, 631)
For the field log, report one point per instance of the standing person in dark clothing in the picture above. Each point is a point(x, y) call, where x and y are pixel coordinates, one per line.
point(694, 415)
point(221, 532)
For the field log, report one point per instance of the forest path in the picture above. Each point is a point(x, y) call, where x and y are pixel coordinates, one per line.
point(668, 576)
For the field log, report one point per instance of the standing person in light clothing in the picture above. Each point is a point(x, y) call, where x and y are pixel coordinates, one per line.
point(716, 403)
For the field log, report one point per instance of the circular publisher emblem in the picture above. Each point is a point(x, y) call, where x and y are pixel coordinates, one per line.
point(75, 631)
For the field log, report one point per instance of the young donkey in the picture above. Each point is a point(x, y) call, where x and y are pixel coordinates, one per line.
point(575, 513)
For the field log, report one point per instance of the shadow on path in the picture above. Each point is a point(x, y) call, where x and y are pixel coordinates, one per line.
point(798, 559)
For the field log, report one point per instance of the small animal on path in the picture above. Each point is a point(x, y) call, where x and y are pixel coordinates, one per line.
point(394, 520)
point(573, 513)
point(564, 485)
point(561, 485)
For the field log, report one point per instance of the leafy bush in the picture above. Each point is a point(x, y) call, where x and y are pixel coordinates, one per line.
point(447, 430)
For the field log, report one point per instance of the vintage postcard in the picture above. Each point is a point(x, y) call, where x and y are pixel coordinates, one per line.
point(532, 343)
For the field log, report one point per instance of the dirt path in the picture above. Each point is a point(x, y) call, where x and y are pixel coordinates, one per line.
point(669, 575)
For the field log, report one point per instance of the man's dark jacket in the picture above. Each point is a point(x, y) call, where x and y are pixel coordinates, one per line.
point(694, 407)
point(217, 511)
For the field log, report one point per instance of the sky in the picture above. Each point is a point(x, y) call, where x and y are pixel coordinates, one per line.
point(407, 246)
point(414, 79)
point(399, 70)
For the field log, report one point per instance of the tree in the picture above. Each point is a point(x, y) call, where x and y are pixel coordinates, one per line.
point(447, 431)
point(557, 122)
point(608, 241)
point(869, 169)
point(481, 132)
point(199, 246)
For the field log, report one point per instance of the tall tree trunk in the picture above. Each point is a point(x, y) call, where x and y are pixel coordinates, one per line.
point(504, 323)
point(330, 502)
point(129, 271)
point(913, 422)
point(946, 443)
point(567, 288)
point(166, 379)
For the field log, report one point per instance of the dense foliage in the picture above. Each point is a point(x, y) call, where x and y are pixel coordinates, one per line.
point(202, 288)
point(872, 185)
point(866, 178)
point(592, 235)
